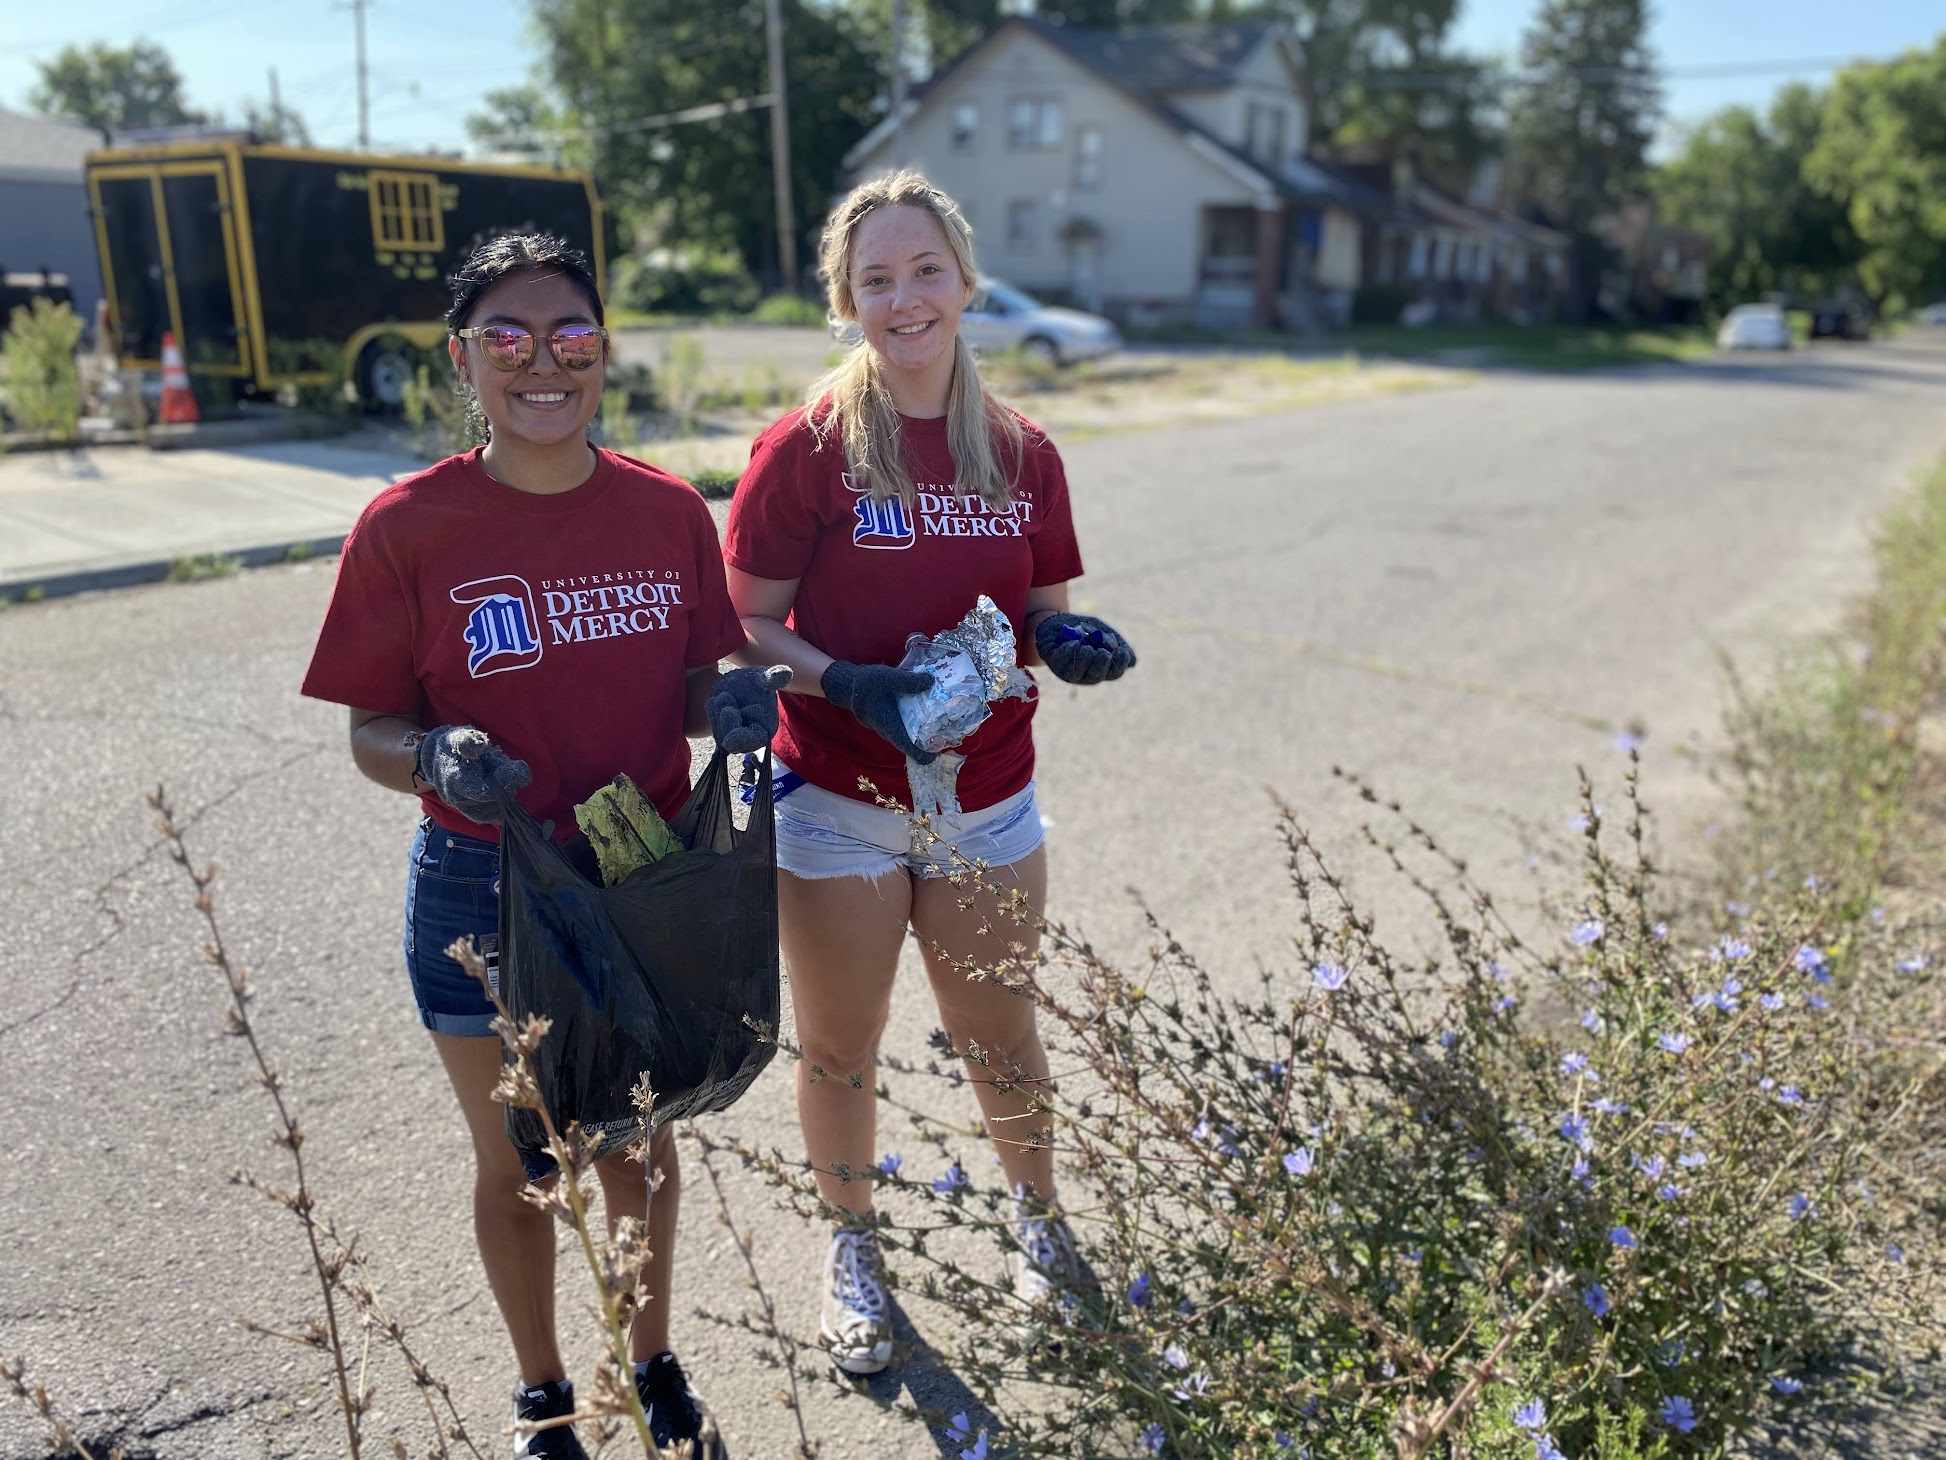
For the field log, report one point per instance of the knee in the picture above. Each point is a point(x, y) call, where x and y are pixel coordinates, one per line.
point(843, 1053)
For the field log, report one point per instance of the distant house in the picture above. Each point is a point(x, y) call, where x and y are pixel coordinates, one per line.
point(1157, 173)
point(1660, 273)
point(44, 222)
point(1459, 259)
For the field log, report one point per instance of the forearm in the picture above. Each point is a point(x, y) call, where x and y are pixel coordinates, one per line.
point(386, 749)
point(769, 642)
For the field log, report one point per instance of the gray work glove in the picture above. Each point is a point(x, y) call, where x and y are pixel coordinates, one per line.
point(872, 693)
point(469, 773)
point(742, 707)
point(1081, 649)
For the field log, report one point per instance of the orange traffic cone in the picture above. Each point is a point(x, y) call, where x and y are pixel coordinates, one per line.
point(178, 401)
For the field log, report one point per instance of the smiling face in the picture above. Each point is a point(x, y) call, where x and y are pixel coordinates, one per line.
point(541, 403)
point(907, 289)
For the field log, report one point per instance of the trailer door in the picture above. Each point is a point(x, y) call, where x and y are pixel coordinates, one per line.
point(201, 249)
point(132, 264)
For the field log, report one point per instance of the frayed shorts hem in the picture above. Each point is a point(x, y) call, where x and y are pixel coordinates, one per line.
point(822, 835)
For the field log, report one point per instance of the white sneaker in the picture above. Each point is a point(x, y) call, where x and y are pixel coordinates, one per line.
point(1046, 1264)
point(856, 1324)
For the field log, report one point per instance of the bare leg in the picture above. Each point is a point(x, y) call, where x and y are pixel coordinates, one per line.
point(516, 1239)
point(980, 1012)
point(625, 1193)
point(841, 939)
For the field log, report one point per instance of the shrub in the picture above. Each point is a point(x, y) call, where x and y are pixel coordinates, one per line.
point(444, 419)
point(37, 361)
point(618, 429)
point(715, 482)
point(686, 281)
point(792, 309)
point(1379, 1207)
point(1379, 303)
point(329, 393)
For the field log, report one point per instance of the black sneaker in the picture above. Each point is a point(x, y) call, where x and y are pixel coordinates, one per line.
point(675, 1411)
point(551, 1400)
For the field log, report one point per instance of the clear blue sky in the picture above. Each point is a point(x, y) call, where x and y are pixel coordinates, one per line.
point(431, 59)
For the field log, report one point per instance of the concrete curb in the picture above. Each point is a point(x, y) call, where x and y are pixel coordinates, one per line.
point(156, 570)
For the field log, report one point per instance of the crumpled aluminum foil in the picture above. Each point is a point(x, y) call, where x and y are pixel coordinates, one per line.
point(972, 664)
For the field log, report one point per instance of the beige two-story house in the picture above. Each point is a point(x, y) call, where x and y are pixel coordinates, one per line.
point(1156, 173)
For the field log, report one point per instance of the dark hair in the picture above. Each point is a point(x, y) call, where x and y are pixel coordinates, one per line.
point(519, 253)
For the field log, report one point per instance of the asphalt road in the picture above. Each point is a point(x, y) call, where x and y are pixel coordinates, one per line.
point(1460, 593)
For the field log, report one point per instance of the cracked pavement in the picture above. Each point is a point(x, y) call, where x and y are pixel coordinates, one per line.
point(1459, 594)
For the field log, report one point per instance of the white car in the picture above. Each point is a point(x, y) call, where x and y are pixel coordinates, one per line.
point(1755, 327)
point(1933, 314)
point(1001, 317)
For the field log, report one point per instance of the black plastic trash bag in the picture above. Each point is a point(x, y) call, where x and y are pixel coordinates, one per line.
point(654, 975)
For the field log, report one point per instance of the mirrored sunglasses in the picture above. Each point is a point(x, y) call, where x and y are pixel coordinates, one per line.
point(509, 347)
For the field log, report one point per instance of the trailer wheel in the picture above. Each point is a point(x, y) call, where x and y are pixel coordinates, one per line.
point(384, 368)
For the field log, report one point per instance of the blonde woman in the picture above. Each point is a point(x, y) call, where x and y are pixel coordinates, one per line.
point(883, 508)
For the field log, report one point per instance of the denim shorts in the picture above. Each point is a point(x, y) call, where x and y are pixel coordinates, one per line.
point(452, 891)
point(822, 834)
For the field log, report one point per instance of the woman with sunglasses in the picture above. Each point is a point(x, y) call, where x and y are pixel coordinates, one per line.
point(532, 618)
point(886, 507)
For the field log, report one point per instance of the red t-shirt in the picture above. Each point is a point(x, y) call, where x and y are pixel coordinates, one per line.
point(868, 574)
point(563, 626)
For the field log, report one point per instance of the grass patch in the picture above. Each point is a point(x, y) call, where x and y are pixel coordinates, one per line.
point(297, 552)
point(201, 567)
point(1528, 347)
point(714, 483)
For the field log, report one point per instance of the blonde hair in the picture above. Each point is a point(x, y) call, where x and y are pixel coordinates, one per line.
point(852, 401)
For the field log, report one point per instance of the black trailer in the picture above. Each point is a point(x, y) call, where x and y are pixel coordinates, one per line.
point(279, 266)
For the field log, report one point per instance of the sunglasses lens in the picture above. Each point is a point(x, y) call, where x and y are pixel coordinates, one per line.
point(507, 348)
point(576, 347)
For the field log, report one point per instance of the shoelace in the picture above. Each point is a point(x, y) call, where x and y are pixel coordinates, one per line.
point(858, 1286)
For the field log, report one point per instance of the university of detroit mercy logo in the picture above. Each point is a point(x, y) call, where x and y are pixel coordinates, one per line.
point(503, 632)
point(886, 524)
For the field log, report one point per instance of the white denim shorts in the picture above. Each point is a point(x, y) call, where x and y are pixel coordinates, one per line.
point(822, 834)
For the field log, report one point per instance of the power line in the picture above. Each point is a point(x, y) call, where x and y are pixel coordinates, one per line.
point(1646, 75)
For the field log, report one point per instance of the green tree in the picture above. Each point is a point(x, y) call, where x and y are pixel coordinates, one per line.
point(617, 65)
point(1740, 181)
point(1881, 149)
point(1580, 126)
point(517, 120)
point(113, 88)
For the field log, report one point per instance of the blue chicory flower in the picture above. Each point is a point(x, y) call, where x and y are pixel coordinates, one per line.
point(1192, 1389)
point(889, 1165)
point(1649, 1166)
point(1329, 976)
point(1800, 1207)
point(1574, 1063)
point(1609, 1107)
point(1816, 1001)
point(1621, 1237)
point(1678, 1413)
point(1586, 932)
point(959, 1428)
point(1298, 1162)
point(951, 1181)
point(1895, 1252)
point(1668, 1191)
point(1138, 1291)
point(1546, 1449)
point(1627, 742)
point(1574, 1129)
point(1809, 959)
point(1784, 1384)
point(1660, 932)
point(1916, 964)
point(1595, 1300)
point(1581, 1173)
point(1532, 1415)
point(978, 1450)
point(1503, 1003)
point(1789, 1095)
point(1673, 1043)
point(1174, 1357)
point(1448, 1038)
point(1735, 950)
point(1772, 1002)
point(1153, 1438)
point(1693, 1159)
point(1592, 1022)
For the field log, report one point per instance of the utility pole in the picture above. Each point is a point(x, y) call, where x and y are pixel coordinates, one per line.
point(780, 150)
point(364, 90)
point(898, 83)
point(276, 108)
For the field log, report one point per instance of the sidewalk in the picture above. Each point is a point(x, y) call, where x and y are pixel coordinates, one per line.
point(107, 517)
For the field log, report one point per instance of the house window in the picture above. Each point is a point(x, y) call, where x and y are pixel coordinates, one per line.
point(1264, 131)
point(966, 126)
point(1087, 159)
point(1416, 265)
point(1023, 225)
point(1034, 124)
point(406, 212)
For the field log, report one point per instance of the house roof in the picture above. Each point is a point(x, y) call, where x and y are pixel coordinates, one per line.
point(1212, 52)
point(42, 149)
point(1165, 58)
